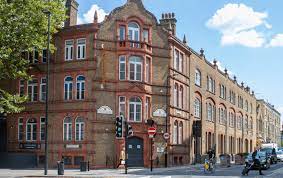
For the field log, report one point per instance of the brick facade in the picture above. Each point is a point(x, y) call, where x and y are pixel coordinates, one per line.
point(162, 78)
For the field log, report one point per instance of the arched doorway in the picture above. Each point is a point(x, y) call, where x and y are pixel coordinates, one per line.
point(135, 152)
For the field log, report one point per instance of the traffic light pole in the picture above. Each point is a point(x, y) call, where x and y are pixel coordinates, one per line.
point(126, 147)
point(151, 161)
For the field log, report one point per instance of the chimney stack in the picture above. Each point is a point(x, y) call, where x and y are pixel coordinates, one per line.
point(72, 13)
point(169, 21)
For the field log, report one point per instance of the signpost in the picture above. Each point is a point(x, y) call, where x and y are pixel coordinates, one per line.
point(151, 132)
point(166, 136)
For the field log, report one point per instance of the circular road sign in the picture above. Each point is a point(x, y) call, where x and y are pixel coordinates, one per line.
point(166, 136)
point(151, 131)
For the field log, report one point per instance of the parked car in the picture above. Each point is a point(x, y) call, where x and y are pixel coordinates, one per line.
point(263, 158)
point(271, 153)
point(280, 149)
point(279, 155)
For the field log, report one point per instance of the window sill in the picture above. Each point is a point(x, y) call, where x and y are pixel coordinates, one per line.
point(199, 86)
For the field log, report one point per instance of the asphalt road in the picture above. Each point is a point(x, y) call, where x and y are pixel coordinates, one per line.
point(275, 171)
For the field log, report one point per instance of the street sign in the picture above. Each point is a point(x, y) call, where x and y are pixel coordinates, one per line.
point(151, 131)
point(166, 136)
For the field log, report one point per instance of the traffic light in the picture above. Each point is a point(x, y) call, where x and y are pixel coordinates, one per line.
point(130, 131)
point(119, 126)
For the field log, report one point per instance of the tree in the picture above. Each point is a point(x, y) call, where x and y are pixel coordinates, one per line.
point(23, 27)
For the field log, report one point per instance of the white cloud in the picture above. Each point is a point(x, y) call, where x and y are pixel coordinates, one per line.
point(237, 23)
point(88, 16)
point(276, 41)
point(249, 38)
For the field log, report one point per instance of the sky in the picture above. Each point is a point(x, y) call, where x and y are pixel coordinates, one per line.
point(246, 37)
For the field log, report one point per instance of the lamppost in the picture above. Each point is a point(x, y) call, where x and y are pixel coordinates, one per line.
point(47, 92)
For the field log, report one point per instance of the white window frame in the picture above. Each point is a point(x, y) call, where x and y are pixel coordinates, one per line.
point(145, 35)
point(32, 125)
point(122, 33)
point(122, 102)
point(135, 105)
point(80, 128)
point(34, 90)
point(81, 48)
point(68, 90)
point(209, 112)
point(122, 61)
point(69, 125)
point(42, 84)
point(197, 108)
point(80, 86)
point(41, 132)
point(44, 56)
point(133, 31)
point(197, 77)
point(176, 59)
point(134, 61)
point(69, 50)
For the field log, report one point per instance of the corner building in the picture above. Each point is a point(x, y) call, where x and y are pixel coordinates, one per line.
point(133, 65)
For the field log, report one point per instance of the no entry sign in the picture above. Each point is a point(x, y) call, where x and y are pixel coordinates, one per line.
point(151, 131)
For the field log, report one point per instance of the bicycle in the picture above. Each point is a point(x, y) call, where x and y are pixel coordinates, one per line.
point(209, 166)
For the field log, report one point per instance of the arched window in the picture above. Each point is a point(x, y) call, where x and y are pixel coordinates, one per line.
point(31, 130)
point(134, 34)
point(135, 65)
point(180, 133)
point(197, 108)
point(175, 132)
point(209, 112)
point(67, 129)
point(181, 97)
point(246, 122)
point(251, 108)
point(80, 87)
point(68, 88)
point(176, 95)
point(197, 77)
point(80, 129)
point(135, 113)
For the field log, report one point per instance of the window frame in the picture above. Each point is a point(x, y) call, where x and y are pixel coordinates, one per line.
point(69, 89)
point(197, 108)
point(22, 87)
point(122, 61)
point(197, 77)
point(42, 84)
point(33, 126)
point(81, 49)
point(69, 48)
point(20, 133)
point(133, 61)
point(42, 138)
point(79, 129)
point(34, 90)
point(69, 128)
point(80, 87)
point(135, 106)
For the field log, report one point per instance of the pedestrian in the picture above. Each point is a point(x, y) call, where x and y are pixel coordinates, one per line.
point(122, 157)
point(256, 160)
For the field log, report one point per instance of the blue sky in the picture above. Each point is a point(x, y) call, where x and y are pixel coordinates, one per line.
point(244, 36)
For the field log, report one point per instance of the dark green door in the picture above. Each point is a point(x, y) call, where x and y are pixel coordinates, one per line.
point(135, 152)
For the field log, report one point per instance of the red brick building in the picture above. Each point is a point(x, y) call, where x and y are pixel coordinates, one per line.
point(98, 71)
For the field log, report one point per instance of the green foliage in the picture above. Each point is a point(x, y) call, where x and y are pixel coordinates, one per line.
point(23, 27)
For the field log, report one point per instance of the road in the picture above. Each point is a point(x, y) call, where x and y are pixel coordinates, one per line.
point(276, 171)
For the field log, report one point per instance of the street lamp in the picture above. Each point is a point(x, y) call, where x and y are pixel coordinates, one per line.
point(47, 92)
